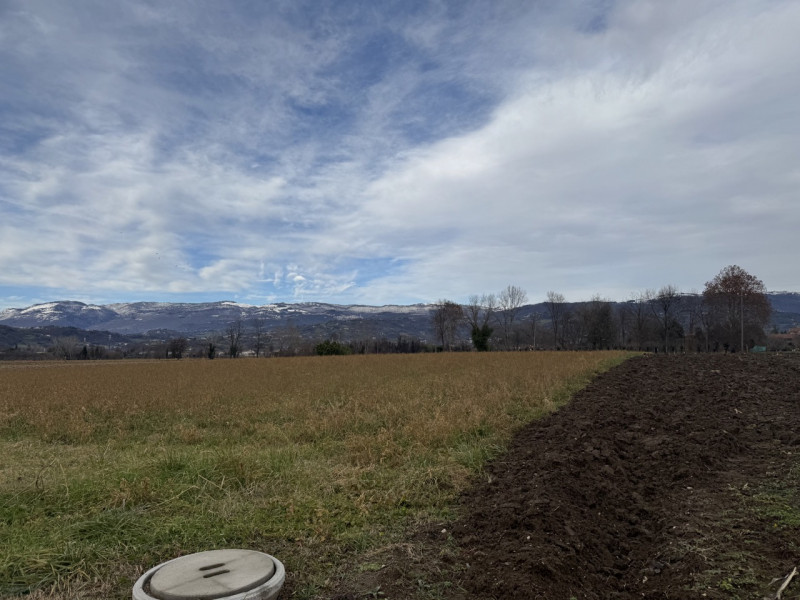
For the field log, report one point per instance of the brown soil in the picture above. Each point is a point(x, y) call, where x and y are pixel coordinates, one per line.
point(667, 477)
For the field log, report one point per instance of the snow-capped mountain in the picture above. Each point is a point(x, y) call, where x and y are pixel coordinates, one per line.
point(314, 319)
point(201, 318)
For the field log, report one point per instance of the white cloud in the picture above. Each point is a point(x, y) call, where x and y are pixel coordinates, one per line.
point(600, 171)
point(395, 158)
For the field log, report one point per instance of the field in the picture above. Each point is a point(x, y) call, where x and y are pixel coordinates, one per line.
point(668, 477)
point(108, 468)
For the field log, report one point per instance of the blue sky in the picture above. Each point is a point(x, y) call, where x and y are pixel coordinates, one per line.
point(394, 152)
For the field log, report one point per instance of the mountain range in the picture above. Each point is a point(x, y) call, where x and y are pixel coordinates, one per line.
point(311, 319)
point(200, 319)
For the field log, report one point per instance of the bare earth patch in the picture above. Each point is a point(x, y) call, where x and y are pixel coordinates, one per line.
point(667, 477)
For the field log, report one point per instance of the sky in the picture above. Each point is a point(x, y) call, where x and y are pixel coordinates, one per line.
point(394, 152)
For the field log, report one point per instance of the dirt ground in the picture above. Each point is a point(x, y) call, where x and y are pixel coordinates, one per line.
point(667, 477)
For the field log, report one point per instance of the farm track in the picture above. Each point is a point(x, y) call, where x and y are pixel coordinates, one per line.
point(667, 477)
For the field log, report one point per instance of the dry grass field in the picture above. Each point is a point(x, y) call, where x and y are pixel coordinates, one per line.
point(108, 468)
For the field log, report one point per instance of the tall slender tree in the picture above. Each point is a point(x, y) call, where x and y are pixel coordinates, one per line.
point(556, 306)
point(260, 337)
point(639, 304)
point(511, 299)
point(234, 335)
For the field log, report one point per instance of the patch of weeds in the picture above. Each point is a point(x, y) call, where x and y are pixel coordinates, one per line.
point(434, 591)
point(743, 581)
point(778, 504)
point(475, 454)
point(15, 428)
point(779, 513)
point(307, 591)
point(742, 545)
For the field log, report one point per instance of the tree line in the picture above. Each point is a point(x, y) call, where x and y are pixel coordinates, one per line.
point(729, 315)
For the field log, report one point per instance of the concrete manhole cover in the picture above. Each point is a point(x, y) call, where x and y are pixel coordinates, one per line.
point(230, 574)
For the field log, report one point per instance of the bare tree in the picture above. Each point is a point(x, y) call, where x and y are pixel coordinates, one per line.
point(640, 309)
point(599, 325)
point(571, 328)
point(534, 321)
point(478, 312)
point(624, 316)
point(66, 347)
point(556, 307)
point(692, 306)
point(665, 306)
point(260, 337)
point(177, 346)
point(511, 299)
point(705, 316)
point(445, 318)
point(289, 340)
point(739, 306)
point(234, 335)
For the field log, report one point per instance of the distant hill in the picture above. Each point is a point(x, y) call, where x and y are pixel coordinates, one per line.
point(312, 320)
point(198, 319)
point(785, 309)
point(785, 301)
point(45, 336)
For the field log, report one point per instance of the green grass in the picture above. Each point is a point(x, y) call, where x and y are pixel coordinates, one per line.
point(109, 469)
point(731, 543)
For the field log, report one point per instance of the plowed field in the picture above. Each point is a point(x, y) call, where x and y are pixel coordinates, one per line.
point(667, 477)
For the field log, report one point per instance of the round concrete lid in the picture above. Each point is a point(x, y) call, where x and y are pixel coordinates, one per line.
point(212, 574)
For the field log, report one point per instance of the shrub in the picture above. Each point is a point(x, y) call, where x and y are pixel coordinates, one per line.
point(329, 348)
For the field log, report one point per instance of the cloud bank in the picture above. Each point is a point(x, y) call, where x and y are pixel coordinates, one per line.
point(356, 152)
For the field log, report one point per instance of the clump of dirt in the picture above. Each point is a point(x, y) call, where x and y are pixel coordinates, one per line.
point(666, 477)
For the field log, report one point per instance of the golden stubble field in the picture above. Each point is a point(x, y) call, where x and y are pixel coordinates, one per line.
point(108, 468)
